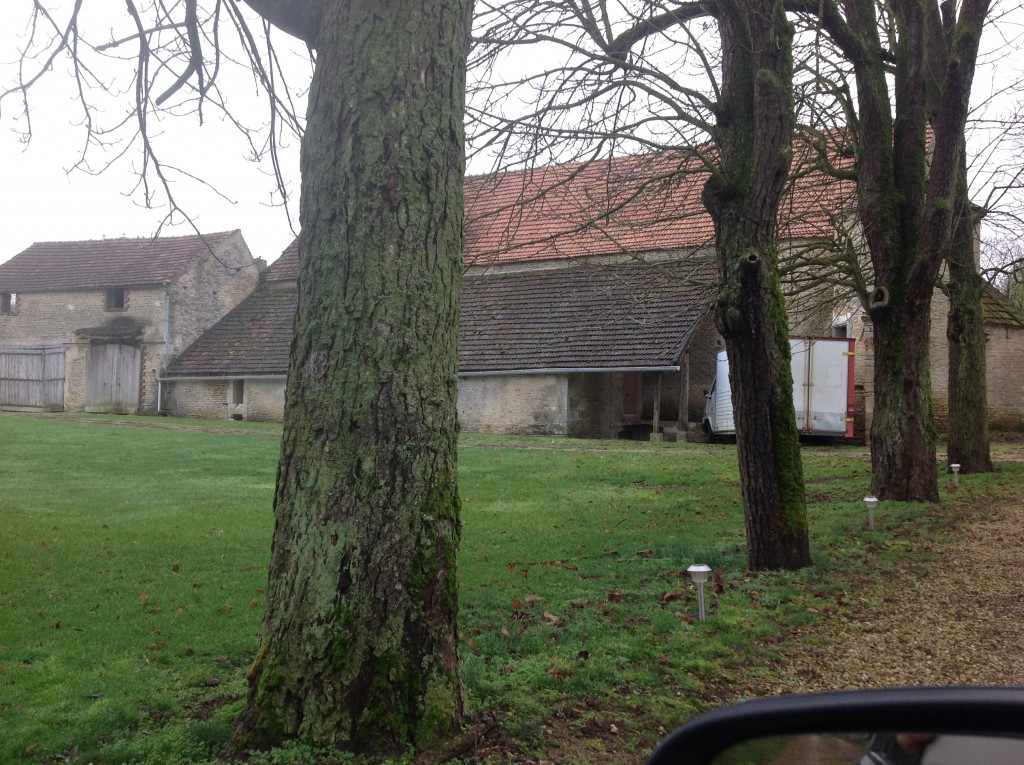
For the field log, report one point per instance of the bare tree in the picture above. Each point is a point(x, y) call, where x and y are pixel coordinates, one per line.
point(913, 65)
point(155, 61)
point(707, 86)
point(359, 637)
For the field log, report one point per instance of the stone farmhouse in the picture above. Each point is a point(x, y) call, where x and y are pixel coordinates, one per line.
point(91, 326)
point(586, 310)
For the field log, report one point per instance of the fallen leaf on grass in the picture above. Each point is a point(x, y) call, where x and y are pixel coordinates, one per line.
point(668, 597)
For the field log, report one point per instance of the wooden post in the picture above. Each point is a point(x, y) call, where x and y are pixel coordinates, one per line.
point(655, 434)
point(683, 426)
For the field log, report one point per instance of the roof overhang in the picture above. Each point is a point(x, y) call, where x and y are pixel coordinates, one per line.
point(566, 371)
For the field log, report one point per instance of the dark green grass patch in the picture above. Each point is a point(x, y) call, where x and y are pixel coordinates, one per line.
point(134, 564)
point(134, 554)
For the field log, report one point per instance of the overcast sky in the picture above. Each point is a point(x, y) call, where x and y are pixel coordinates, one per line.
point(40, 200)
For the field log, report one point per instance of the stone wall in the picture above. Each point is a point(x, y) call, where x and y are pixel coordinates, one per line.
point(1004, 364)
point(262, 399)
point(519, 404)
point(206, 399)
point(213, 285)
point(1004, 359)
point(702, 353)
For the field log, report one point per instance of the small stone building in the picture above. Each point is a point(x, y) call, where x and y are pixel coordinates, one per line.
point(90, 326)
point(238, 368)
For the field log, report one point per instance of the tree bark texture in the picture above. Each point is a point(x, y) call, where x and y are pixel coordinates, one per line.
point(754, 138)
point(967, 430)
point(359, 639)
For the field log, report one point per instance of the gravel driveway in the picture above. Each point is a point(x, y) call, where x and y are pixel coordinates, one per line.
point(961, 623)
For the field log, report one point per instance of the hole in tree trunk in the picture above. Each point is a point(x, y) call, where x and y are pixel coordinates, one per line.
point(879, 297)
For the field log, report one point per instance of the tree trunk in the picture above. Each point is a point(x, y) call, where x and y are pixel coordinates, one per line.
point(754, 137)
point(968, 443)
point(903, 430)
point(359, 638)
point(905, 201)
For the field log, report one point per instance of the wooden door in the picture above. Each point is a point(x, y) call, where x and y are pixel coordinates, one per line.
point(32, 377)
point(112, 378)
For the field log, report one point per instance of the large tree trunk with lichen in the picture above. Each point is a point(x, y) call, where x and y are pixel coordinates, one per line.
point(754, 138)
point(967, 411)
point(903, 429)
point(359, 639)
point(905, 202)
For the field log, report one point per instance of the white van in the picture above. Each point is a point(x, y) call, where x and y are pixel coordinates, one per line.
point(822, 389)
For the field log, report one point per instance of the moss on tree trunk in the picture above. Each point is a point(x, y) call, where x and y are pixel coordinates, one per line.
point(754, 136)
point(903, 430)
point(905, 204)
point(967, 411)
point(359, 639)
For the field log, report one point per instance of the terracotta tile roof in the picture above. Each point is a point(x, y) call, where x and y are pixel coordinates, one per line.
point(254, 339)
point(634, 204)
point(596, 317)
point(999, 309)
point(103, 263)
point(626, 205)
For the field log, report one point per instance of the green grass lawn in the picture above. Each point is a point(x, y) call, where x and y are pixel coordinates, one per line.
point(134, 555)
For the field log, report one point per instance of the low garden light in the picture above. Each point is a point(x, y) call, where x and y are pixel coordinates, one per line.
point(699, 573)
point(872, 503)
point(955, 467)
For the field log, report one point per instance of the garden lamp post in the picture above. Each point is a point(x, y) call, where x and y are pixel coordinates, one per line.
point(955, 467)
point(871, 502)
point(699, 573)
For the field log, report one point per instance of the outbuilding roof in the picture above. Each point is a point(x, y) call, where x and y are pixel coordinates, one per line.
point(585, 317)
point(997, 308)
point(628, 316)
point(252, 340)
point(104, 263)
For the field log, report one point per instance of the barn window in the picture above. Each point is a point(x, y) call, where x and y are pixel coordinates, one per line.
point(238, 391)
point(116, 299)
point(8, 303)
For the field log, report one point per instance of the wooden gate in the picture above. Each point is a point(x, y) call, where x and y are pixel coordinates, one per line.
point(32, 377)
point(113, 374)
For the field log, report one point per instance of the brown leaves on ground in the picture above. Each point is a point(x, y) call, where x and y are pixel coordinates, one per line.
point(957, 623)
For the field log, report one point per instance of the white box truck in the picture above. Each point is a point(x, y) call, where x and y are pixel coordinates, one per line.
point(822, 389)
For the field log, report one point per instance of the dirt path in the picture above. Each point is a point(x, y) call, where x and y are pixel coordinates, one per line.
point(962, 623)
